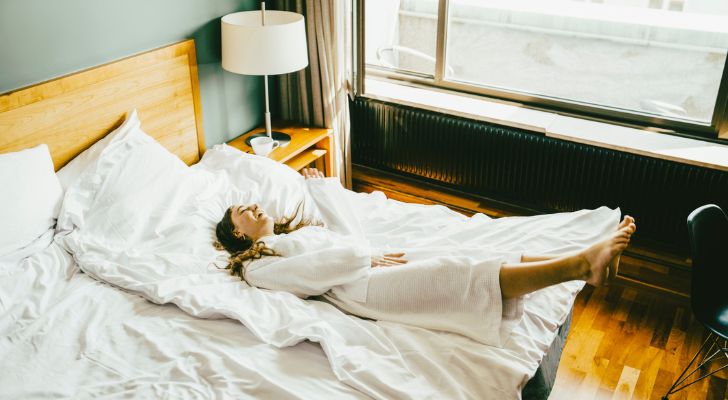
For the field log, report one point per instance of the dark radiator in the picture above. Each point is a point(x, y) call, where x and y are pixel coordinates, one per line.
point(530, 170)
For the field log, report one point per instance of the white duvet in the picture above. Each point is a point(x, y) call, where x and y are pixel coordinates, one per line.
point(143, 221)
point(80, 338)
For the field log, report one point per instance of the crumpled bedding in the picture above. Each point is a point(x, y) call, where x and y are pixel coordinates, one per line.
point(82, 338)
point(143, 222)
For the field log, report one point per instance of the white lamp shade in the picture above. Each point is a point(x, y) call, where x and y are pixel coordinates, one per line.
point(251, 48)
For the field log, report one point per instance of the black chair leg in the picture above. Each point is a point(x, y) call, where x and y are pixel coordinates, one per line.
point(721, 351)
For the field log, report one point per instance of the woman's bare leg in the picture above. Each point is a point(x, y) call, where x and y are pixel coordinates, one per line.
point(529, 258)
point(591, 265)
point(519, 279)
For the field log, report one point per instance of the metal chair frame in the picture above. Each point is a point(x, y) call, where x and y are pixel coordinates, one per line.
point(722, 349)
point(717, 339)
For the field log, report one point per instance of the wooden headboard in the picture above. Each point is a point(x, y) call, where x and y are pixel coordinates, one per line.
point(72, 112)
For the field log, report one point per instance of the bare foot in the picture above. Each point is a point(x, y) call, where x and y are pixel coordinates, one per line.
point(613, 268)
point(603, 256)
point(626, 221)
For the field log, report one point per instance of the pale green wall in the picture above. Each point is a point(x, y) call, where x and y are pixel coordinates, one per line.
point(43, 39)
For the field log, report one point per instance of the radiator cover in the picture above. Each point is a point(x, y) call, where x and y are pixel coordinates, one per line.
point(530, 170)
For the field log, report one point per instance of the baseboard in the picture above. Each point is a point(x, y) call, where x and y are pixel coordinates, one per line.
point(644, 266)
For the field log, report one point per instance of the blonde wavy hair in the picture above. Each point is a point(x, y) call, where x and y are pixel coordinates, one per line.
point(243, 250)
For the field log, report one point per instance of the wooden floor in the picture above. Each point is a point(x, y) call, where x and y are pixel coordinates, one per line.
point(629, 345)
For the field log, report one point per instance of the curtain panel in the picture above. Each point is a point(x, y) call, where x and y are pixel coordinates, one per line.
point(317, 95)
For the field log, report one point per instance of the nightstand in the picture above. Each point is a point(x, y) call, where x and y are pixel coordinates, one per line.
point(308, 146)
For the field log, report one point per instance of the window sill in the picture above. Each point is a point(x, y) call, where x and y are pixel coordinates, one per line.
point(551, 124)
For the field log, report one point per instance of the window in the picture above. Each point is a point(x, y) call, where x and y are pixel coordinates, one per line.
point(651, 62)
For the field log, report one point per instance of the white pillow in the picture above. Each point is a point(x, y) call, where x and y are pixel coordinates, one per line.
point(31, 197)
point(277, 188)
point(80, 177)
point(73, 170)
point(139, 205)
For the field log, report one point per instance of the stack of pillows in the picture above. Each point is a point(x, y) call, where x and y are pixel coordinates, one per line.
point(34, 192)
point(133, 164)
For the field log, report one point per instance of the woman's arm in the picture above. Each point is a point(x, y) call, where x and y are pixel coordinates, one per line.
point(338, 213)
point(312, 173)
point(312, 273)
point(333, 203)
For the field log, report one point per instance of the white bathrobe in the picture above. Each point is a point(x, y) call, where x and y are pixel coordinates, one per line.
point(449, 289)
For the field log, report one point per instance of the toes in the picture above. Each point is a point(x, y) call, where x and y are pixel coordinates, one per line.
point(629, 229)
point(626, 221)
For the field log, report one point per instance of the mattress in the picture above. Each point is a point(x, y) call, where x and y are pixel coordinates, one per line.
point(539, 387)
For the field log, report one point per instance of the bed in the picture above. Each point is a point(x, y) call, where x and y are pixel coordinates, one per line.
point(77, 332)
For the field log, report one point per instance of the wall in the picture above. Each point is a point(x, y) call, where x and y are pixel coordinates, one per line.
point(43, 39)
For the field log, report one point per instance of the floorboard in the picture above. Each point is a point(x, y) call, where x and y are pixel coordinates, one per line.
point(629, 345)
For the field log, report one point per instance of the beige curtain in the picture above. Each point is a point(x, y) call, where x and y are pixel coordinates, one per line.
point(317, 95)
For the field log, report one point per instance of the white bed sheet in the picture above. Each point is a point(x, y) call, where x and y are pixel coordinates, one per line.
point(81, 338)
point(145, 222)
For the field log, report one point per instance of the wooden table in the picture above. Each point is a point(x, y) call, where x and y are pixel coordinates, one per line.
point(308, 146)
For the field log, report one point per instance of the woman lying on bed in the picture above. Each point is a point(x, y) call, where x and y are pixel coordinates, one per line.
point(472, 291)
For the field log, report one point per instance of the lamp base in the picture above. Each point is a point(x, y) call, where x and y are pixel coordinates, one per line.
point(283, 138)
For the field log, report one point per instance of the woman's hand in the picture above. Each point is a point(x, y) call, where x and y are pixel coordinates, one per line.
point(388, 260)
point(312, 173)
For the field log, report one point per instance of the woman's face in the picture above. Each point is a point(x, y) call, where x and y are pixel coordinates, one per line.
point(251, 221)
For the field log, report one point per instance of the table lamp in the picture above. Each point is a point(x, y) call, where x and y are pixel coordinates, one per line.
point(264, 43)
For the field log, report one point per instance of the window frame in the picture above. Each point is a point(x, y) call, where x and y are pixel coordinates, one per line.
point(716, 132)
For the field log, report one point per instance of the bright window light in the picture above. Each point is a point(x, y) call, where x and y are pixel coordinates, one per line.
point(660, 58)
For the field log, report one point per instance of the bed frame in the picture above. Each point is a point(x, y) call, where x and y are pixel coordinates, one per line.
point(72, 112)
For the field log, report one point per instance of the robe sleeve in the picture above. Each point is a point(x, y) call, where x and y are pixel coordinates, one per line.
point(313, 261)
point(335, 206)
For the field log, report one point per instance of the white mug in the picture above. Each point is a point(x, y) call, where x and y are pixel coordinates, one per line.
point(263, 145)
